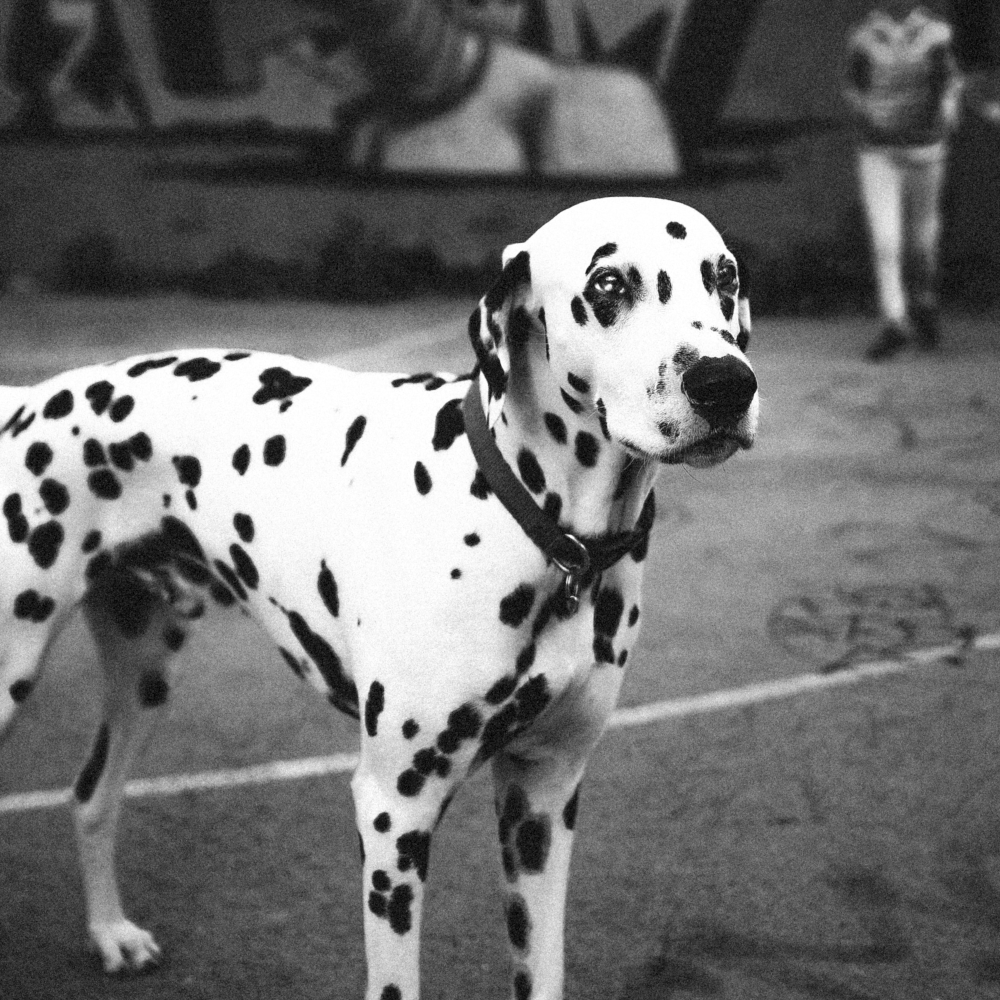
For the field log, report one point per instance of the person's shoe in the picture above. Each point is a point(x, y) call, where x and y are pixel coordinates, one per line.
point(926, 328)
point(892, 341)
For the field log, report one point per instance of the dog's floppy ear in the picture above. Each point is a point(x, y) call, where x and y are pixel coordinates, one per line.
point(492, 331)
point(743, 303)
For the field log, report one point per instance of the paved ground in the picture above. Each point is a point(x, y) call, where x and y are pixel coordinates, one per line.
point(840, 845)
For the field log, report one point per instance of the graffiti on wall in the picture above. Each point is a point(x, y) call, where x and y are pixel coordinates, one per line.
point(522, 87)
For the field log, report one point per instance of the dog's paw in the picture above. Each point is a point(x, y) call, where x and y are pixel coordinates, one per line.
point(124, 947)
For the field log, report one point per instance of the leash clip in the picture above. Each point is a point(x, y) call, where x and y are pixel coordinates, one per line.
point(574, 564)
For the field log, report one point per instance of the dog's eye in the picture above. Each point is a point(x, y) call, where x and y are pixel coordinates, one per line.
point(608, 282)
point(728, 280)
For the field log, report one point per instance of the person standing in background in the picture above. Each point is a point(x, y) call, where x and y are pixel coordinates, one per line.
point(903, 85)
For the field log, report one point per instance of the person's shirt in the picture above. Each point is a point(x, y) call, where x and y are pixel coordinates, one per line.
point(901, 79)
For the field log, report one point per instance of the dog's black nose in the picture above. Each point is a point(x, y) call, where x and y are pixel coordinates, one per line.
point(719, 389)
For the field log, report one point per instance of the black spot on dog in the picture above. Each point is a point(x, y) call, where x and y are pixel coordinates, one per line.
point(525, 659)
point(173, 638)
point(552, 505)
point(579, 310)
point(327, 587)
point(574, 404)
point(31, 606)
point(192, 500)
point(708, 276)
point(244, 566)
point(121, 456)
point(518, 925)
point(684, 357)
point(391, 992)
point(99, 394)
point(197, 369)
point(274, 450)
point(480, 489)
point(16, 425)
point(533, 839)
point(464, 723)
point(428, 761)
point(381, 880)
point(531, 472)
point(448, 425)
point(570, 810)
point(456, 573)
point(522, 985)
point(608, 611)
point(20, 690)
point(604, 651)
point(141, 446)
point(374, 705)
point(398, 912)
point(153, 689)
point(86, 783)
point(410, 783)
point(93, 453)
point(353, 436)
point(414, 852)
point(144, 366)
point(676, 230)
point(279, 383)
point(297, 668)
point(728, 306)
point(622, 657)
point(44, 543)
point(60, 405)
point(243, 523)
point(410, 729)
point(382, 822)
point(516, 606)
point(38, 457)
point(241, 459)
point(232, 580)
point(664, 287)
point(121, 408)
point(586, 449)
point(422, 478)
point(633, 615)
point(556, 426)
point(343, 693)
point(471, 539)
point(17, 523)
point(54, 495)
point(188, 469)
point(500, 692)
point(577, 383)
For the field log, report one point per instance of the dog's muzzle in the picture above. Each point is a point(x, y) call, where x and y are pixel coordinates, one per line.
point(720, 390)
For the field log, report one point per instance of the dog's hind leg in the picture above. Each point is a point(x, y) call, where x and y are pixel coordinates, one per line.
point(136, 633)
point(26, 645)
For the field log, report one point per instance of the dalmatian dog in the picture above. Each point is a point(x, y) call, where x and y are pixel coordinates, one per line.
point(455, 561)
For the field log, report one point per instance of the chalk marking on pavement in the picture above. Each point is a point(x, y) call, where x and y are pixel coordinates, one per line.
point(623, 718)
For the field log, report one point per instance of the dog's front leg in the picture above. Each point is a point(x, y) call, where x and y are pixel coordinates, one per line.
point(536, 810)
point(395, 837)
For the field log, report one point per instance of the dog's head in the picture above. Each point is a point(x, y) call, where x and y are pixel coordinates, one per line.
point(640, 313)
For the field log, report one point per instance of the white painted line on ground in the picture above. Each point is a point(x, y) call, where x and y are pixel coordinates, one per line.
point(623, 718)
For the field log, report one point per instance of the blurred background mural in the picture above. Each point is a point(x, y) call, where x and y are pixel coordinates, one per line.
point(242, 146)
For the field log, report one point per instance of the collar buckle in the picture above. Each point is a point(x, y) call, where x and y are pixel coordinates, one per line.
point(574, 561)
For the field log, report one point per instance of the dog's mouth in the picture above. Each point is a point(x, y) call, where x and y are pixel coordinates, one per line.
point(712, 449)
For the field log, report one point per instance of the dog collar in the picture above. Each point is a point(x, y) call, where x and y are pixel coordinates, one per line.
point(579, 560)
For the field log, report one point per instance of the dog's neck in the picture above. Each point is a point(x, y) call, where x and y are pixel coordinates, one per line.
point(600, 487)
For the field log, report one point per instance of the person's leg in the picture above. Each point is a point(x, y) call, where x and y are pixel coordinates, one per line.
point(881, 183)
point(924, 183)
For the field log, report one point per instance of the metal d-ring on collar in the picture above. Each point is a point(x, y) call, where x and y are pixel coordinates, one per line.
point(575, 559)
